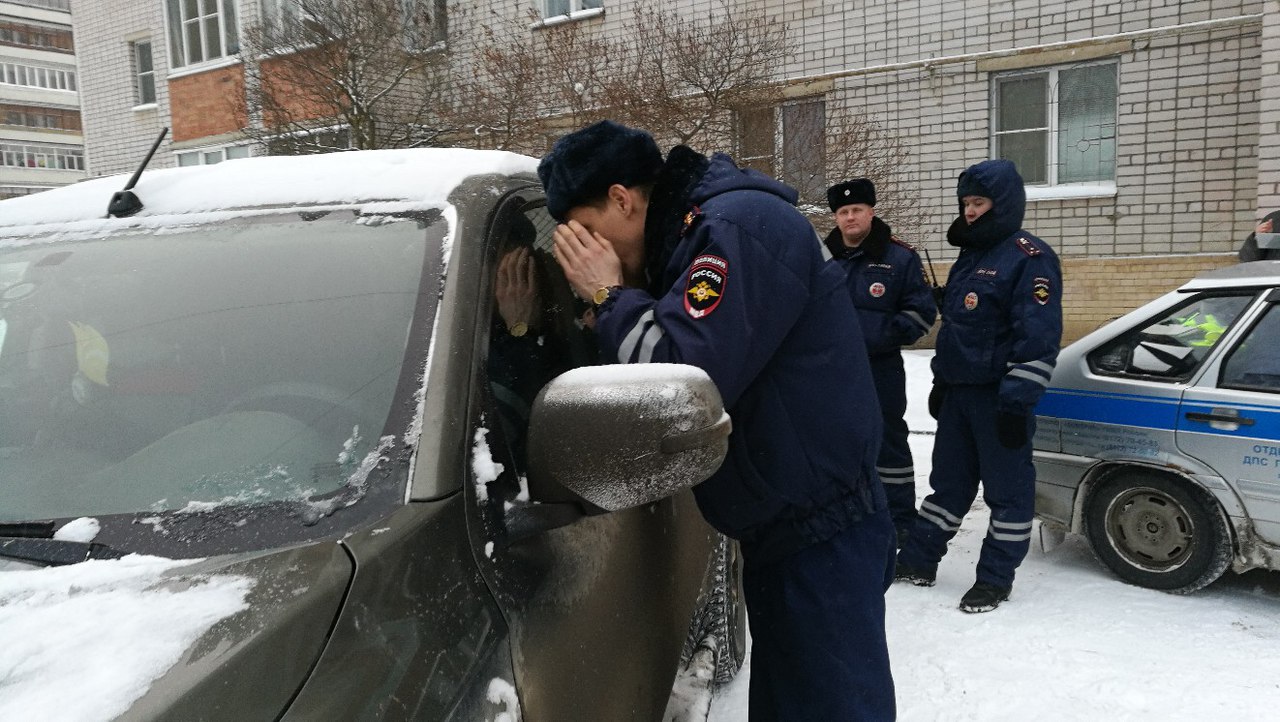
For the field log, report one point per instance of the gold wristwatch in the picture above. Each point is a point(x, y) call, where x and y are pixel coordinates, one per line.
point(602, 295)
point(518, 329)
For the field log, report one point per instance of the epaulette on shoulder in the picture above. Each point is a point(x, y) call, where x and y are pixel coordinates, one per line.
point(1028, 246)
point(903, 243)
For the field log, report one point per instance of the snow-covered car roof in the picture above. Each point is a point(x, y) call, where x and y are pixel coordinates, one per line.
point(396, 179)
point(1255, 273)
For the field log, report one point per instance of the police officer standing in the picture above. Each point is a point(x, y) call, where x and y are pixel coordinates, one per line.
point(996, 350)
point(895, 307)
point(694, 260)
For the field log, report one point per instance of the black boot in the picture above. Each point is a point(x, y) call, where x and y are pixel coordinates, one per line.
point(918, 577)
point(983, 597)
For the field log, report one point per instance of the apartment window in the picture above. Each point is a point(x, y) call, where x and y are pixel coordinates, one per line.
point(554, 8)
point(1058, 125)
point(804, 148)
point(424, 23)
point(213, 156)
point(29, 116)
point(144, 72)
point(201, 30)
point(42, 155)
point(33, 76)
point(799, 130)
point(36, 36)
point(757, 139)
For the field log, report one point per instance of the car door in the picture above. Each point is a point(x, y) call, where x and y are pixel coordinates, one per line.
point(1230, 419)
point(598, 608)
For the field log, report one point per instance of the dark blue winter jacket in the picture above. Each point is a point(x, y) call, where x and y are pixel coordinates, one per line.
point(1002, 309)
point(739, 287)
point(887, 283)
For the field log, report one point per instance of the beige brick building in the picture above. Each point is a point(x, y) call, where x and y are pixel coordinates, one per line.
point(1137, 125)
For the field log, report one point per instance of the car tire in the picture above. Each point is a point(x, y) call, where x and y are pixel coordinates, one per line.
point(722, 621)
point(1158, 532)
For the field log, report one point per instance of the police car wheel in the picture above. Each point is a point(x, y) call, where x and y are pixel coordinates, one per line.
point(1158, 532)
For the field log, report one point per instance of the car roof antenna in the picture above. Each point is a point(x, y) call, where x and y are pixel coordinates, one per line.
point(125, 202)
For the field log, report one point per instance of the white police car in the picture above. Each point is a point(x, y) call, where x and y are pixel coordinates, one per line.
point(1159, 437)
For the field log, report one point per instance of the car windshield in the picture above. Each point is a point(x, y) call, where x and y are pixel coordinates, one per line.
point(236, 363)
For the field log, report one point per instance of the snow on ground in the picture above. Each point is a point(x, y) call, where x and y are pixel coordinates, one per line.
point(1073, 642)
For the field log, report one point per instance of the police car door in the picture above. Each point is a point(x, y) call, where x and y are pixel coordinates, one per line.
point(1230, 417)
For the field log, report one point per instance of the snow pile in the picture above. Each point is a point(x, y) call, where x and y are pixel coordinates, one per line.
point(83, 642)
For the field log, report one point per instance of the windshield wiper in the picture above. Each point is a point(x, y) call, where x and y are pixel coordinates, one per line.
point(32, 541)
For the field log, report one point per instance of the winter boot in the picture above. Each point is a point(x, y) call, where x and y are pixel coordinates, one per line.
point(983, 597)
point(918, 577)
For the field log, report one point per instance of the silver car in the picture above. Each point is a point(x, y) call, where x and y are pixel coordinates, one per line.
point(1159, 437)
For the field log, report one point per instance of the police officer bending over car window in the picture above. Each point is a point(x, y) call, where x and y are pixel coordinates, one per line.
point(697, 261)
point(895, 308)
point(996, 349)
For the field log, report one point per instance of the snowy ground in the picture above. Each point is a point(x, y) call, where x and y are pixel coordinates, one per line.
point(1073, 642)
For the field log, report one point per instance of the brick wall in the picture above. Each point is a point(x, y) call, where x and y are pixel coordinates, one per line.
point(207, 103)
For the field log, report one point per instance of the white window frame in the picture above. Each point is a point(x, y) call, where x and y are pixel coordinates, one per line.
point(1051, 187)
point(177, 22)
point(142, 77)
point(212, 154)
point(36, 76)
point(576, 11)
point(42, 156)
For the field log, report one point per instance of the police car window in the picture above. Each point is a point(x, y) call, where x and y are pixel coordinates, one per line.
point(1172, 346)
point(1254, 364)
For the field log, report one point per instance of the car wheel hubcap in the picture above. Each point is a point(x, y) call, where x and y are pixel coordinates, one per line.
point(1150, 529)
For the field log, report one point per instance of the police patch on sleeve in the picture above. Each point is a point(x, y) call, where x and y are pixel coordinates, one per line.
point(706, 284)
point(1041, 290)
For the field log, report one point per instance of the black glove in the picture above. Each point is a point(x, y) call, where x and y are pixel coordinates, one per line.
point(938, 293)
point(936, 395)
point(1011, 429)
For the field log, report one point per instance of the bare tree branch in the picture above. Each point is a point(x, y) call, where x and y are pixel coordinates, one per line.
point(363, 69)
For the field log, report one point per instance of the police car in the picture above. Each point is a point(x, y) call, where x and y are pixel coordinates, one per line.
point(1159, 436)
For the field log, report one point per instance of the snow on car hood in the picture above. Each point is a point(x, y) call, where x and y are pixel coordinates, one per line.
point(85, 641)
point(416, 178)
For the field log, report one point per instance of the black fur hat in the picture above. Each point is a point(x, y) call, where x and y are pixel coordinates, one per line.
point(858, 190)
point(583, 164)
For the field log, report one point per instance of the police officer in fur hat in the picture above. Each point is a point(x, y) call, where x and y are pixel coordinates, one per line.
point(895, 308)
point(695, 260)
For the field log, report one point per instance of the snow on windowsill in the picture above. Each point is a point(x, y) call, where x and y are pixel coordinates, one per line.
point(1059, 193)
point(142, 107)
point(571, 17)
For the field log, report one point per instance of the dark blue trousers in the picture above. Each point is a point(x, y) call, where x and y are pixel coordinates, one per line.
point(966, 452)
point(895, 465)
point(817, 628)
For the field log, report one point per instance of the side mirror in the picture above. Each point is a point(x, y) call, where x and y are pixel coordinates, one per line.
point(626, 435)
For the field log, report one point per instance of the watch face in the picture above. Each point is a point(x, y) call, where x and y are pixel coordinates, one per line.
point(519, 328)
point(600, 296)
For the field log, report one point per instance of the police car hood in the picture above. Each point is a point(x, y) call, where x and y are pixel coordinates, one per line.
point(722, 176)
point(1008, 196)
